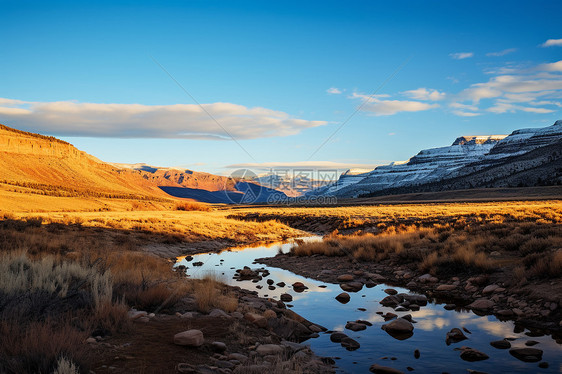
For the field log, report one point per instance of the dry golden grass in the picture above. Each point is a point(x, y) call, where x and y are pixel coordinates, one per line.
point(192, 205)
point(454, 239)
point(211, 293)
point(175, 226)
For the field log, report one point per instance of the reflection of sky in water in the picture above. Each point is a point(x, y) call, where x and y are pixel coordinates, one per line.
point(433, 322)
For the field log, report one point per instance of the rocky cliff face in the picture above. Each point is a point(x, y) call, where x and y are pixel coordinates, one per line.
point(25, 143)
point(467, 155)
point(47, 163)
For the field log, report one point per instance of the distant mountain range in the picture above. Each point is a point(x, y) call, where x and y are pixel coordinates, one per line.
point(527, 157)
point(33, 164)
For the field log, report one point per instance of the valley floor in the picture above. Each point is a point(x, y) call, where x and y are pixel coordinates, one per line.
point(121, 266)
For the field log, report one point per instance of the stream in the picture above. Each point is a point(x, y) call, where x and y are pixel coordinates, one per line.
point(318, 304)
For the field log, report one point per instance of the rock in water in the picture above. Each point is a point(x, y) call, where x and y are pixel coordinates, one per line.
point(349, 344)
point(337, 337)
point(472, 355)
point(501, 344)
point(454, 336)
point(190, 338)
point(400, 329)
point(482, 304)
point(378, 369)
point(343, 298)
point(527, 354)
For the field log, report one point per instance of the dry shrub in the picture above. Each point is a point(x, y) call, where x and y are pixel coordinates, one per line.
point(210, 293)
point(38, 347)
point(191, 205)
point(110, 317)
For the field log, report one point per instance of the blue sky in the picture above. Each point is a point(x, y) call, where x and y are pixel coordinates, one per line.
point(279, 77)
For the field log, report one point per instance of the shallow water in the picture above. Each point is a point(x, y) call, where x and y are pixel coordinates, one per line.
point(318, 305)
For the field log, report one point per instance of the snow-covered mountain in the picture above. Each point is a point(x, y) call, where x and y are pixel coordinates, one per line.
point(467, 154)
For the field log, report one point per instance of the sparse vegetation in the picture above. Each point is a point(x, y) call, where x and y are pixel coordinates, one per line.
point(192, 205)
point(451, 239)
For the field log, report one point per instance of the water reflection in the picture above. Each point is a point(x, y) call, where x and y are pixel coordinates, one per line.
point(318, 304)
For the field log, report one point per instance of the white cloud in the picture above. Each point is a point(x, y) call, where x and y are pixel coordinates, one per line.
point(505, 107)
point(390, 107)
point(461, 55)
point(554, 66)
point(464, 110)
point(69, 118)
point(465, 114)
point(334, 91)
point(501, 53)
point(425, 94)
point(315, 165)
point(552, 43)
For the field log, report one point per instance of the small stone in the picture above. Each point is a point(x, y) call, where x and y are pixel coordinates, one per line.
point(530, 343)
point(343, 297)
point(269, 349)
point(501, 344)
point(445, 287)
point(417, 353)
point(472, 355)
point(256, 319)
point(218, 347)
point(454, 336)
point(337, 336)
point(350, 344)
point(286, 297)
point(191, 338)
point(482, 304)
point(219, 313)
point(543, 365)
point(91, 340)
point(379, 369)
point(391, 291)
point(345, 278)
point(489, 289)
point(354, 326)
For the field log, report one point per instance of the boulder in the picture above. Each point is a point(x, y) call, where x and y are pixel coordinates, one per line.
point(379, 369)
point(349, 344)
point(256, 319)
point(343, 298)
point(269, 349)
point(501, 344)
point(218, 347)
point(490, 288)
point(471, 355)
point(289, 329)
point(218, 313)
point(400, 329)
point(337, 336)
point(482, 304)
point(345, 278)
point(190, 338)
point(446, 287)
point(414, 299)
point(299, 286)
point(454, 336)
point(391, 300)
point(352, 286)
point(527, 354)
point(354, 326)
